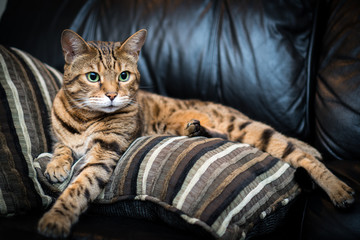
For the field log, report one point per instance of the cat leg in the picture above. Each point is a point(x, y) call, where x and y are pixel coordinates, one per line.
point(58, 168)
point(101, 160)
point(297, 154)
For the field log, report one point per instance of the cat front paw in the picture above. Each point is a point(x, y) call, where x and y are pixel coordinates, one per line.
point(341, 194)
point(57, 171)
point(55, 225)
point(193, 128)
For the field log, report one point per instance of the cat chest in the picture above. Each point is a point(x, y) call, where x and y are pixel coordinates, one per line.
point(82, 142)
point(78, 143)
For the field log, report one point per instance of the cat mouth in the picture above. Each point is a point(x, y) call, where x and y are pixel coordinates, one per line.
point(106, 109)
point(107, 106)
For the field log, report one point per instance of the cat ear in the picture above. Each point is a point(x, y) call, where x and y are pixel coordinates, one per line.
point(133, 44)
point(72, 45)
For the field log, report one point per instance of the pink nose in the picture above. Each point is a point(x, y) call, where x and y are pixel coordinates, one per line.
point(111, 95)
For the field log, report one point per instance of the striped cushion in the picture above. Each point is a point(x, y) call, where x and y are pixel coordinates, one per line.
point(218, 187)
point(27, 88)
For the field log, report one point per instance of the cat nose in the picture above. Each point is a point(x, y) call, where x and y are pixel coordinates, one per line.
point(111, 95)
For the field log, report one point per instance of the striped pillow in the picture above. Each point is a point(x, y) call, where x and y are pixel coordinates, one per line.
point(215, 187)
point(27, 88)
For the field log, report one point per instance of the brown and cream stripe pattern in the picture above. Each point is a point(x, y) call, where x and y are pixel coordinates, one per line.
point(222, 186)
point(211, 182)
point(27, 88)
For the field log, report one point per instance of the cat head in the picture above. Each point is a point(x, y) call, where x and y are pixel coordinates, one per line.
point(101, 76)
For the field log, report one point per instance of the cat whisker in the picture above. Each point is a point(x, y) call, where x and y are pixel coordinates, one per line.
point(78, 105)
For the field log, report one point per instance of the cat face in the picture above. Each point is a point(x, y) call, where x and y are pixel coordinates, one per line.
point(101, 76)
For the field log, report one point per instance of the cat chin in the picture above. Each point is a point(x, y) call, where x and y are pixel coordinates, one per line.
point(106, 107)
point(110, 109)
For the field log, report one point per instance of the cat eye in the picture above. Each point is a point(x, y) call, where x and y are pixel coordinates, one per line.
point(124, 76)
point(93, 77)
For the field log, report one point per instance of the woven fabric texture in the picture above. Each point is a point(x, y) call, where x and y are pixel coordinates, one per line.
point(27, 88)
point(223, 187)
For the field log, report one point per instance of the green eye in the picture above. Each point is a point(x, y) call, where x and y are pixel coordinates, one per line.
point(124, 76)
point(93, 77)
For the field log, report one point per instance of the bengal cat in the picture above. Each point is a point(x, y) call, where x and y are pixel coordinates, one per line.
point(100, 110)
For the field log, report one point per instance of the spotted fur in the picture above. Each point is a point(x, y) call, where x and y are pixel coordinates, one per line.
point(99, 119)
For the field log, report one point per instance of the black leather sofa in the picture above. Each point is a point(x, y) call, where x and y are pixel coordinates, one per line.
point(292, 64)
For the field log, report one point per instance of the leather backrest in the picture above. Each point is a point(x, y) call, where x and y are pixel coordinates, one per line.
point(337, 100)
point(253, 55)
